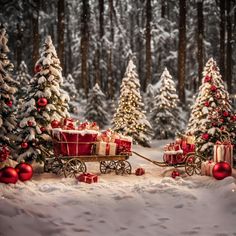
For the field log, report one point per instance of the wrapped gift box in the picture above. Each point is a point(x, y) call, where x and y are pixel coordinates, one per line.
point(124, 144)
point(223, 151)
point(87, 178)
point(74, 142)
point(103, 148)
point(173, 157)
point(207, 167)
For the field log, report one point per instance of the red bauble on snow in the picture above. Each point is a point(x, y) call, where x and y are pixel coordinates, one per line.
point(9, 103)
point(225, 113)
point(213, 88)
point(139, 171)
point(42, 102)
point(25, 171)
point(30, 123)
point(221, 170)
point(174, 174)
point(55, 124)
point(205, 136)
point(207, 79)
point(207, 104)
point(24, 145)
point(8, 175)
point(37, 68)
point(43, 129)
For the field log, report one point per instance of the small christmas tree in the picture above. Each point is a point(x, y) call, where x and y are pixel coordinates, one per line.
point(164, 115)
point(130, 118)
point(96, 108)
point(43, 104)
point(212, 118)
point(7, 90)
point(22, 78)
point(70, 89)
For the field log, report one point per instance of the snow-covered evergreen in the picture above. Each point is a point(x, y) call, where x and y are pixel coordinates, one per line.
point(96, 107)
point(130, 118)
point(164, 115)
point(7, 92)
point(212, 118)
point(44, 103)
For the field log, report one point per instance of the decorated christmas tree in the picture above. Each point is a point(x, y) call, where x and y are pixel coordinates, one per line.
point(43, 107)
point(70, 89)
point(7, 90)
point(130, 119)
point(96, 107)
point(164, 115)
point(22, 78)
point(212, 118)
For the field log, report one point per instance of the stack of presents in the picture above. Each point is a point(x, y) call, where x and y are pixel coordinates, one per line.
point(85, 139)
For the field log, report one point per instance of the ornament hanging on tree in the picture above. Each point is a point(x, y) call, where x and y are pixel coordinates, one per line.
point(213, 88)
point(55, 124)
point(207, 104)
point(37, 68)
point(8, 175)
point(233, 118)
point(205, 136)
point(43, 129)
point(207, 79)
point(221, 170)
point(225, 113)
point(25, 171)
point(42, 102)
point(30, 123)
point(9, 103)
point(24, 145)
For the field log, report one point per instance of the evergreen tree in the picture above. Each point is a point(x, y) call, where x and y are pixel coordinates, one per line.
point(23, 78)
point(7, 91)
point(44, 103)
point(96, 107)
point(130, 119)
point(70, 89)
point(164, 115)
point(212, 117)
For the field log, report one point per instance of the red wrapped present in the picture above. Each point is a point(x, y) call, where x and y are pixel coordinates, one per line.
point(74, 142)
point(103, 148)
point(223, 151)
point(173, 157)
point(124, 144)
point(4, 153)
point(87, 178)
point(68, 124)
point(207, 167)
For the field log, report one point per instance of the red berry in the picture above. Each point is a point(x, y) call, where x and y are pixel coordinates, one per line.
point(43, 129)
point(205, 136)
point(42, 102)
point(55, 124)
point(207, 104)
point(213, 88)
point(9, 103)
point(30, 123)
point(24, 145)
point(207, 79)
point(225, 113)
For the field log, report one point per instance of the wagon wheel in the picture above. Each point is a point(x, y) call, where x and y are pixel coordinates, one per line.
point(57, 167)
point(123, 167)
point(193, 164)
point(73, 167)
point(107, 166)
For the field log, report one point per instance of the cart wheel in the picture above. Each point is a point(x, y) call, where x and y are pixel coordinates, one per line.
point(193, 164)
point(123, 167)
point(73, 167)
point(107, 166)
point(57, 167)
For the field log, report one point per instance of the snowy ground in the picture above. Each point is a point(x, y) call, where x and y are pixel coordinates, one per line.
point(153, 204)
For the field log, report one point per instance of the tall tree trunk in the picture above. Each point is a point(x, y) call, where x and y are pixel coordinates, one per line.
point(222, 38)
point(110, 55)
point(229, 48)
point(19, 37)
point(68, 54)
point(60, 31)
point(163, 8)
point(200, 35)
point(84, 44)
point(35, 27)
point(148, 77)
point(182, 50)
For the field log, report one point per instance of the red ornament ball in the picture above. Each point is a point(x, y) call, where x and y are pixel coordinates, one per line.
point(43, 129)
point(37, 68)
point(214, 124)
point(174, 174)
point(225, 113)
point(24, 145)
point(213, 88)
point(8, 175)
point(139, 171)
point(9, 103)
point(30, 123)
point(42, 102)
point(207, 104)
point(221, 170)
point(55, 124)
point(233, 118)
point(25, 171)
point(207, 79)
point(205, 136)
point(222, 128)
point(38, 109)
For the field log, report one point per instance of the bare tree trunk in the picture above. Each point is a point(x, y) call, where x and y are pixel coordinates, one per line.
point(148, 77)
point(163, 8)
point(19, 37)
point(200, 35)
point(60, 31)
point(182, 50)
point(84, 44)
point(229, 48)
point(68, 55)
point(222, 38)
point(35, 27)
